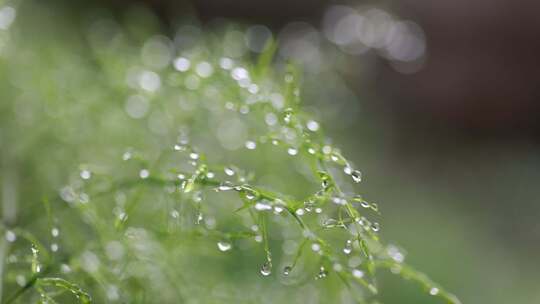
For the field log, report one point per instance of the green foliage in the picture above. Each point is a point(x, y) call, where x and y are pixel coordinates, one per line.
point(193, 166)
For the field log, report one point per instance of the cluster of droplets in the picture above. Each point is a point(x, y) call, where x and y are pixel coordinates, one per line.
point(299, 137)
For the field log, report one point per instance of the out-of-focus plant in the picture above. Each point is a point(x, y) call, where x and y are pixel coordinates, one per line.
point(195, 166)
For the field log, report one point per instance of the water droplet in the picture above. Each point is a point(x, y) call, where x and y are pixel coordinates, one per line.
point(174, 213)
point(181, 64)
point(327, 149)
point(322, 273)
point(434, 291)
point(287, 270)
point(144, 173)
point(55, 232)
point(316, 247)
point(262, 206)
point(225, 186)
point(210, 175)
point(347, 170)
point(181, 176)
point(10, 236)
point(65, 268)
point(251, 145)
point(287, 115)
point(318, 210)
point(229, 171)
point(204, 69)
point(348, 247)
point(308, 205)
point(54, 247)
point(356, 176)
point(292, 151)
point(311, 151)
point(300, 211)
point(266, 268)
point(339, 201)
point(258, 238)
point(329, 223)
point(224, 246)
point(86, 174)
point(226, 63)
point(337, 267)
point(357, 273)
point(193, 155)
point(199, 218)
point(127, 155)
point(365, 204)
point(395, 254)
point(180, 147)
point(278, 209)
point(312, 125)
point(275, 142)
point(375, 227)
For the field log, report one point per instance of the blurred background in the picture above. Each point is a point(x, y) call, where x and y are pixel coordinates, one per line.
point(436, 102)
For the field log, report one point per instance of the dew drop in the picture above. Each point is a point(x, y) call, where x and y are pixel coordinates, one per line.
point(312, 125)
point(375, 227)
point(224, 246)
point(266, 268)
point(316, 247)
point(127, 155)
point(225, 186)
point(55, 232)
point(357, 273)
point(86, 174)
point(365, 204)
point(175, 214)
point(322, 273)
point(329, 223)
point(54, 247)
point(181, 64)
point(10, 236)
point(199, 218)
point(434, 291)
point(144, 173)
point(287, 115)
point(311, 151)
point(356, 176)
point(262, 206)
point(287, 270)
point(278, 209)
point(347, 170)
point(318, 210)
point(193, 155)
point(229, 171)
point(292, 151)
point(251, 145)
point(300, 211)
point(348, 247)
point(327, 149)
point(180, 147)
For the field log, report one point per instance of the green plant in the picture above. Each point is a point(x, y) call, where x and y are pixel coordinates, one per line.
point(221, 160)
